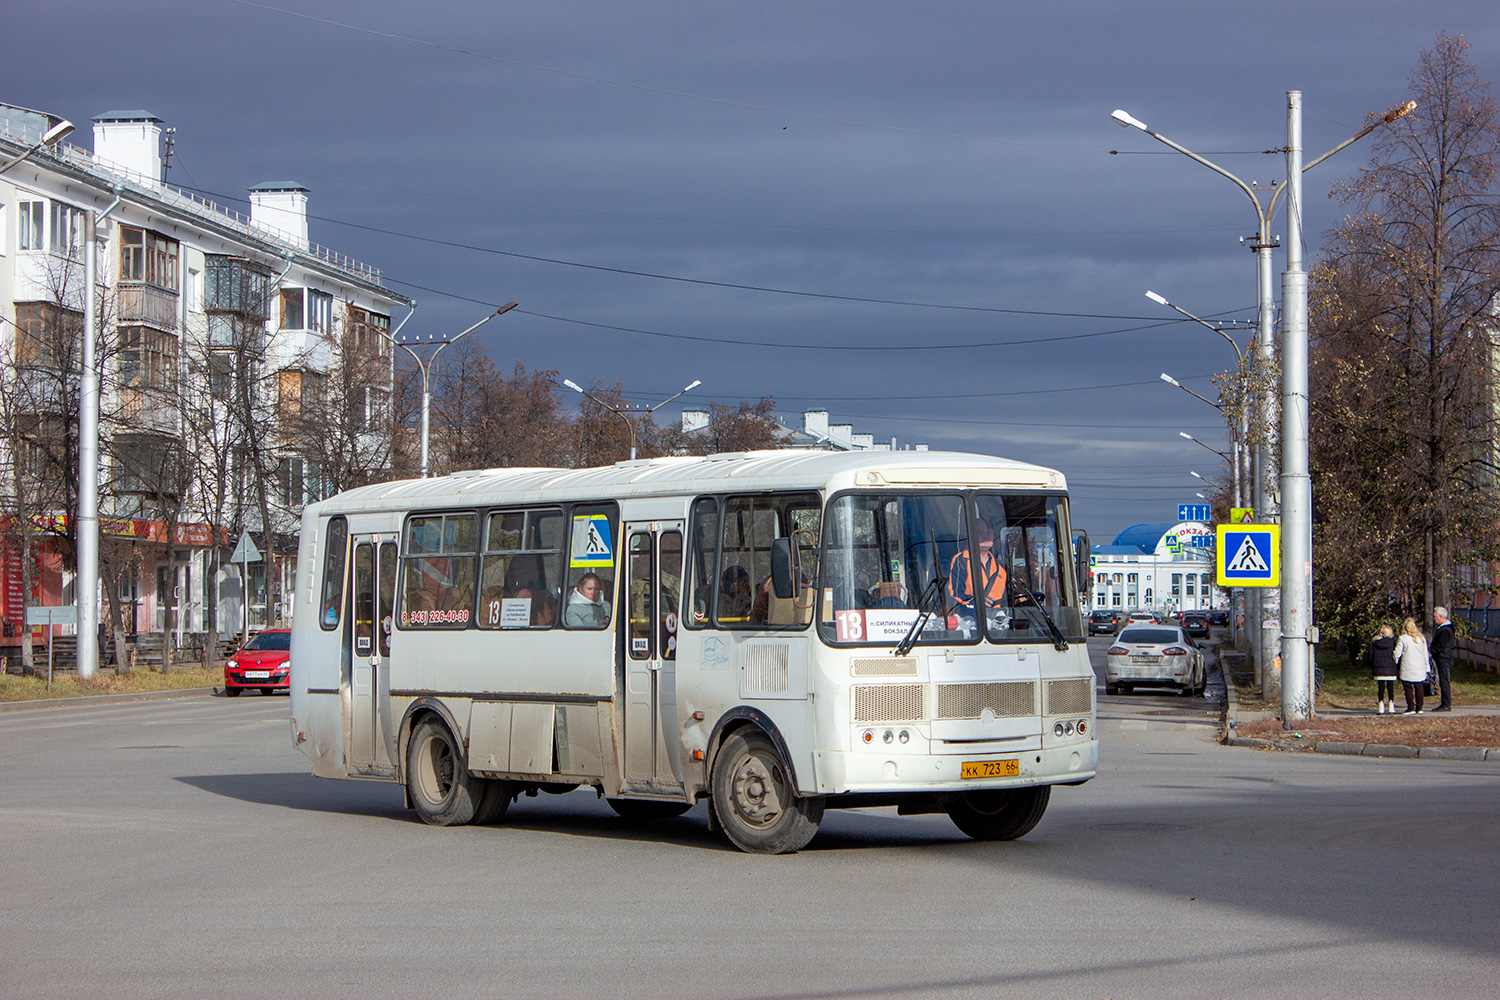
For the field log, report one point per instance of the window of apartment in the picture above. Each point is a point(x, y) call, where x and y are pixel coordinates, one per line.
point(232, 284)
point(147, 463)
point(376, 412)
point(1191, 580)
point(44, 441)
point(1132, 577)
point(319, 311)
point(47, 336)
point(67, 229)
point(148, 358)
point(291, 309)
point(300, 393)
point(366, 328)
point(149, 257)
point(192, 292)
point(1176, 584)
point(290, 484)
point(33, 217)
point(220, 375)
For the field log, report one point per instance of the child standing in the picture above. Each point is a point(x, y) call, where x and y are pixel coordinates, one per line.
point(1380, 660)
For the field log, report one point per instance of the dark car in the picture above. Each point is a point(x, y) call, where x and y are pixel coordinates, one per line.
point(1195, 623)
point(1219, 618)
point(264, 662)
point(1102, 622)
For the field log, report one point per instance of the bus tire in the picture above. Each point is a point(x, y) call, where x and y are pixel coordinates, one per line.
point(755, 800)
point(999, 814)
point(494, 800)
point(441, 789)
point(641, 809)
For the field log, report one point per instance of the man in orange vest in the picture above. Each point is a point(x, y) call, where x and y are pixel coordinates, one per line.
point(991, 573)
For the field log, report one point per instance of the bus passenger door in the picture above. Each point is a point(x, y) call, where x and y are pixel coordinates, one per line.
point(373, 576)
point(652, 593)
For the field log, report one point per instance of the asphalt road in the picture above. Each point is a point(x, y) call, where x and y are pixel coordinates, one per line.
point(180, 849)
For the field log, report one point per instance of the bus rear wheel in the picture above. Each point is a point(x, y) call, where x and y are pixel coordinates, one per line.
point(441, 788)
point(756, 802)
point(1001, 814)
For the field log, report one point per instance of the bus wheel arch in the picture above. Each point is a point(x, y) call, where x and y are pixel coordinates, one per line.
point(435, 771)
point(753, 789)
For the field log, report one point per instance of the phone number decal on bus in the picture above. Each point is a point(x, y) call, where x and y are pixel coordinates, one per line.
point(991, 768)
point(460, 617)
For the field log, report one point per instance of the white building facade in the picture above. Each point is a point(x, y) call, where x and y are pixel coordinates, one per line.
point(244, 370)
point(1162, 568)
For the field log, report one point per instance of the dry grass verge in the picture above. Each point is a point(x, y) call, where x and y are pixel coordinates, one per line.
point(68, 685)
point(1408, 730)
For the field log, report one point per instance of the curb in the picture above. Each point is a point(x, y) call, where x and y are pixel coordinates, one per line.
point(106, 699)
point(1390, 750)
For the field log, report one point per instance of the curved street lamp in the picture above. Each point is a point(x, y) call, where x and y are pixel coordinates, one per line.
point(620, 411)
point(426, 366)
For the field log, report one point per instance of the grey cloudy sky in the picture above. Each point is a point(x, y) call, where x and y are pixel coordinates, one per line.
point(953, 156)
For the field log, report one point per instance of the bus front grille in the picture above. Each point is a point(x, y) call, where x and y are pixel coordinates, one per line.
point(889, 703)
point(1070, 697)
point(884, 666)
point(1004, 699)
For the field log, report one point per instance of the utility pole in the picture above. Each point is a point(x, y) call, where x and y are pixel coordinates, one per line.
point(1296, 482)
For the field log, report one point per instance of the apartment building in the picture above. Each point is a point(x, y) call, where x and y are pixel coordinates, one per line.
point(244, 372)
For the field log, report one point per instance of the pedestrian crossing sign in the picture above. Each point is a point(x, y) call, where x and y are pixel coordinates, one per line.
point(1249, 555)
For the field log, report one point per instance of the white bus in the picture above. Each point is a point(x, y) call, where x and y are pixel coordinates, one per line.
point(778, 633)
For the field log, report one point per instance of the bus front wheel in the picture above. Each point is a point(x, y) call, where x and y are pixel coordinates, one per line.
point(755, 801)
point(1002, 814)
point(441, 789)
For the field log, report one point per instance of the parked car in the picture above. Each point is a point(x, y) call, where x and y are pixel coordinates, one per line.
point(1102, 622)
point(264, 662)
point(1153, 656)
point(1219, 618)
point(1195, 624)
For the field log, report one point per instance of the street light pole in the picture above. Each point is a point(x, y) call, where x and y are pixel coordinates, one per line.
point(1261, 244)
point(429, 364)
point(620, 411)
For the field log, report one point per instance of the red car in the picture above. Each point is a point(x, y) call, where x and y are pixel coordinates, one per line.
point(264, 662)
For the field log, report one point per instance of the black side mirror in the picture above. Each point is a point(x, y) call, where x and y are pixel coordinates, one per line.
point(783, 568)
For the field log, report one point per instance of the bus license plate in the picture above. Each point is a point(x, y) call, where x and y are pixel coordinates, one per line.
point(257, 675)
point(991, 768)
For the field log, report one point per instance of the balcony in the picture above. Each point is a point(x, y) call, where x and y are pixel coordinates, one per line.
point(142, 303)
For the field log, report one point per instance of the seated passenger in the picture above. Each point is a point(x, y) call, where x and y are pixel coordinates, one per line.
point(587, 607)
point(734, 595)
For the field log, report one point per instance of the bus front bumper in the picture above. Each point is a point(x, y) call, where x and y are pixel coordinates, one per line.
point(839, 772)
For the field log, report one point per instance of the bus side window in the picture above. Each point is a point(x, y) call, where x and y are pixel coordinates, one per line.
point(438, 570)
point(590, 574)
point(703, 564)
point(335, 548)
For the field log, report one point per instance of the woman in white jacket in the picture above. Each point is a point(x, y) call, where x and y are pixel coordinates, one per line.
point(1413, 664)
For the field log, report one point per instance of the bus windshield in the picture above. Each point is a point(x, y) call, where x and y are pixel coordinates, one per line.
point(967, 567)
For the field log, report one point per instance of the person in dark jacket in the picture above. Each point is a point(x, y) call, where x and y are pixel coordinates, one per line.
point(1380, 660)
point(1442, 658)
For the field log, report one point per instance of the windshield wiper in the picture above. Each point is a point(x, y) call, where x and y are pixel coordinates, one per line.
point(937, 588)
point(1059, 641)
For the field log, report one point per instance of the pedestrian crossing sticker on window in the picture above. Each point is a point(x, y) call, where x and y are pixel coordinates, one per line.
point(1249, 555)
point(592, 545)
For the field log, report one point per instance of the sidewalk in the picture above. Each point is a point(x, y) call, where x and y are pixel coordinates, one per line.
point(1294, 742)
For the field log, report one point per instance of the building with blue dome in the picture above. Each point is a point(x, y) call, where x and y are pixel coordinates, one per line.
point(1157, 567)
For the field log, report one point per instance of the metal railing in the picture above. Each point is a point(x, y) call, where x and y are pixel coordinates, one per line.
point(186, 201)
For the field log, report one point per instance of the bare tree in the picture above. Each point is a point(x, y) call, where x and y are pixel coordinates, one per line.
point(1402, 368)
point(746, 427)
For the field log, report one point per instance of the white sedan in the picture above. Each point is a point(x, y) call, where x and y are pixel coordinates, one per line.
point(1153, 656)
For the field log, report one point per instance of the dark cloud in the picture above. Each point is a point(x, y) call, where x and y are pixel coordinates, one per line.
point(950, 153)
